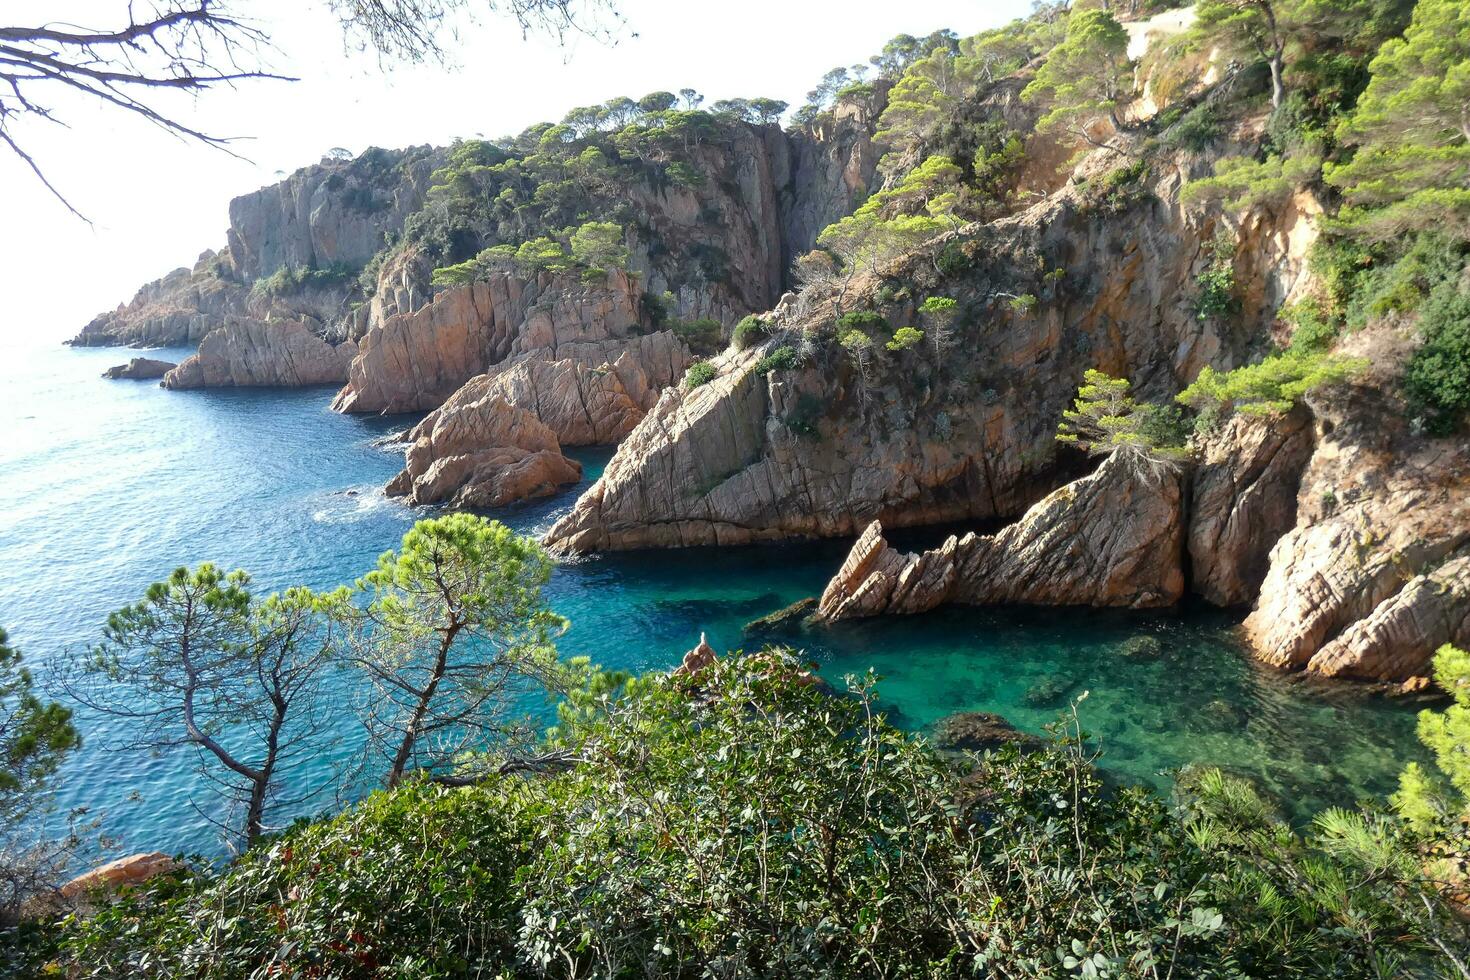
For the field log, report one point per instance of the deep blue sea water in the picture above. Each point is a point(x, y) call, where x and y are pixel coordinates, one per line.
point(106, 486)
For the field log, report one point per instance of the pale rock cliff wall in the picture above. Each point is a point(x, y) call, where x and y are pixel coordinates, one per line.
point(248, 353)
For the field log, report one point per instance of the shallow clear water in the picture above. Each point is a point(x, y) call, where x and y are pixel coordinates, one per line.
point(108, 485)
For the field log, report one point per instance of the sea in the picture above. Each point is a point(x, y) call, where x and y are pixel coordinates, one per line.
point(107, 486)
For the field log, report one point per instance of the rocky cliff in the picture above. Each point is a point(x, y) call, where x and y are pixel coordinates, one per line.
point(964, 431)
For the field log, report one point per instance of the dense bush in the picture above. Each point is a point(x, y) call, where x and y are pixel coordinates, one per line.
point(742, 821)
point(749, 332)
point(783, 358)
point(704, 335)
point(699, 373)
point(292, 279)
point(1437, 379)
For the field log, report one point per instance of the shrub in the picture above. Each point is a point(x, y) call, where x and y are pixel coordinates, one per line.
point(291, 279)
point(704, 336)
point(861, 320)
point(904, 338)
point(1312, 329)
point(1118, 189)
point(1269, 387)
point(1199, 128)
point(1401, 286)
point(1437, 378)
point(749, 332)
point(781, 359)
point(1217, 283)
point(699, 373)
point(1105, 420)
point(1023, 305)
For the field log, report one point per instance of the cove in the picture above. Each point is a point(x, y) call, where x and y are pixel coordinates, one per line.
point(109, 485)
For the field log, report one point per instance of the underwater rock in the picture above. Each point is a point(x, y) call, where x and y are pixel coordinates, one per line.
point(1219, 716)
point(1048, 691)
point(980, 731)
point(784, 620)
point(1142, 648)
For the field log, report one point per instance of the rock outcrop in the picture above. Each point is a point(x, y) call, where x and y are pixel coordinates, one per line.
point(139, 369)
point(486, 453)
point(131, 870)
point(918, 438)
point(1371, 579)
point(415, 361)
point(249, 353)
point(1243, 499)
point(175, 311)
point(1114, 538)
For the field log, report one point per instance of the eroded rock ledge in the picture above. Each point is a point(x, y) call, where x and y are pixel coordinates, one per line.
point(247, 353)
point(1113, 538)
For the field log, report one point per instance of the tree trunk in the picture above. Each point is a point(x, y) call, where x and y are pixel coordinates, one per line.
point(260, 785)
point(421, 709)
point(1278, 89)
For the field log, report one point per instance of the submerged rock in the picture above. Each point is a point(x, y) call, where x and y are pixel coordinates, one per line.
point(1142, 648)
point(1048, 691)
point(139, 369)
point(784, 620)
point(1113, 538)
point(980, 731)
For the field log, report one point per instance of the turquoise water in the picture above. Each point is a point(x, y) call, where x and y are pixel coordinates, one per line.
point(109, 485)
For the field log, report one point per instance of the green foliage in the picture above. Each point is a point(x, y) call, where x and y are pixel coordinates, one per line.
point(1023, 305)
point(414, 883)
point(599, 245)
point(750, 331)
point(1437, 377)
point(899, 219)
point(1104, 419)
point(1312, 328)
point(1217, 283)
point(1119, 189)
point(905, 338)
point(1413, 135)
point(939, 306)
point(1402, 284)
point(742, 821)
point(1269, 387)
point(459, 626)
point(1433, 803)
point(699, 373)
point(704, 335)
point(35, 736)
point(861, 320)
point(290, 280)
point(783, 358)
point(1241, 183)
point(1085, 77)
point(1197, 130)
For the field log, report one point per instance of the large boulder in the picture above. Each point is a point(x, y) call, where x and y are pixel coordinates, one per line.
point(249, 353)
point(484, 453)
point(1114, 538)
point(1371, 579)
point(131, 870)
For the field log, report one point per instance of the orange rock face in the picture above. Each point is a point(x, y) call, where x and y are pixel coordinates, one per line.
point(131, 870)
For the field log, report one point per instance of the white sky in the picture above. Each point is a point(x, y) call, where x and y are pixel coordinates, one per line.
point(158, 202)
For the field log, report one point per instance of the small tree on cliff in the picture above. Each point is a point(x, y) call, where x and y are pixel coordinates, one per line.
point(454, 631)
point(1104, 419)
point(1085, 77)
point(199, 662)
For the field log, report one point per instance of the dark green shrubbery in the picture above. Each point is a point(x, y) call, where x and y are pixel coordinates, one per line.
point(750, 331)
point(704, 335)
point(865, 320)
point(1437, 379)
point(699, 373)
point(291, 279)
point(783, 358)
point(744, 822)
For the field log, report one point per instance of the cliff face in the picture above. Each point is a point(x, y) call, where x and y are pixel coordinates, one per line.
point(332, 214)
point(965, 432)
